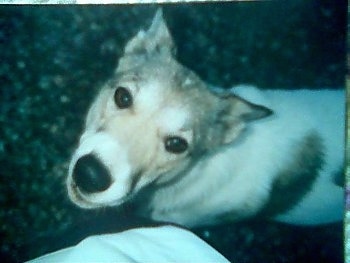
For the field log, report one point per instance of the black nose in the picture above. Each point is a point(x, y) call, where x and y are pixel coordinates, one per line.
point(90, 175)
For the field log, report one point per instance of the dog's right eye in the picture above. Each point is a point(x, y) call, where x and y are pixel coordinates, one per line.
point(175, 144)
point(122, 98)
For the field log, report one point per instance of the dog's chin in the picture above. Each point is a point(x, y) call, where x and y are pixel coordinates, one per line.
point(93, 201)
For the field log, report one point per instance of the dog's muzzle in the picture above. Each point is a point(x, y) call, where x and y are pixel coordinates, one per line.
point(90, 175)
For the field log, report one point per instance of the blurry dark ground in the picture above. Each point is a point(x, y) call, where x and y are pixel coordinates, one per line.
point(53, 59)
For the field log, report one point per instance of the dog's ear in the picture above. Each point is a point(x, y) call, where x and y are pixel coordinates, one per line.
point(234, 114)
point(156, 39)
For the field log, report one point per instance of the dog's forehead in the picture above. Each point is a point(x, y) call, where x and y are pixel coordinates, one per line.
point(150, 96)
point(164, 105)
point(158, 88)
point(173, 119)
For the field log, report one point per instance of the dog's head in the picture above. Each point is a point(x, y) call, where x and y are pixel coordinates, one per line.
point(149, 123)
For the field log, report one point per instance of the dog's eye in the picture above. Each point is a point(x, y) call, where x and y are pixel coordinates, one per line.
point(175, 144)
point(122, 98)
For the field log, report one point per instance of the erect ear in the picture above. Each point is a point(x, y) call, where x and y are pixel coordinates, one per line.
point(156, 39)
point(235, 113)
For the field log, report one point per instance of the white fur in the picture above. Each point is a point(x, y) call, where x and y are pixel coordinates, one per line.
point(172, 119)
point(106, 149)
point(148, 97)
point(239, 177)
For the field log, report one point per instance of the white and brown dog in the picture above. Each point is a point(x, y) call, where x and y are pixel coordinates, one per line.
point(158, 136)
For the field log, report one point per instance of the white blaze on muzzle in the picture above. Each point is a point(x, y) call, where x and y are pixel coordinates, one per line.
point(110, 158)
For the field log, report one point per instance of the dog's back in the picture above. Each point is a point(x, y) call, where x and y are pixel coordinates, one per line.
point(317, 119)
point(283, 167)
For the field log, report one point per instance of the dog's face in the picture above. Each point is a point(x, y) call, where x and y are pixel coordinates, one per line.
point(150, 123)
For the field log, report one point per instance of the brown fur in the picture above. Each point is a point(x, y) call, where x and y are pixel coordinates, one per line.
point(292, 183)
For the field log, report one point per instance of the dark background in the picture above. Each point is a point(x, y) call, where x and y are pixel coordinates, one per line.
point(53, 59)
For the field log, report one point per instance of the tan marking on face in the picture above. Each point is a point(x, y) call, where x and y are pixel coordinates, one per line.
point(142, 130)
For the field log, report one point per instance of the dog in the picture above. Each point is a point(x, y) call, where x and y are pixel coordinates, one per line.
point(182, 151)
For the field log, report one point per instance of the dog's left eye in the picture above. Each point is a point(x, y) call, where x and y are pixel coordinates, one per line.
point(175, 144)
point(122, 98)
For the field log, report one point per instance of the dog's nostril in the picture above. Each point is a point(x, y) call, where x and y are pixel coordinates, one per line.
point(90, 175)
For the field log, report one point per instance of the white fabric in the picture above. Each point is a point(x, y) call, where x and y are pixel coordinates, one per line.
point(154, 244)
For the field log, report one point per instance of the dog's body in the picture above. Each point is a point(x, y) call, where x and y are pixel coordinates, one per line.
point(183, 153)
point(291, 156)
